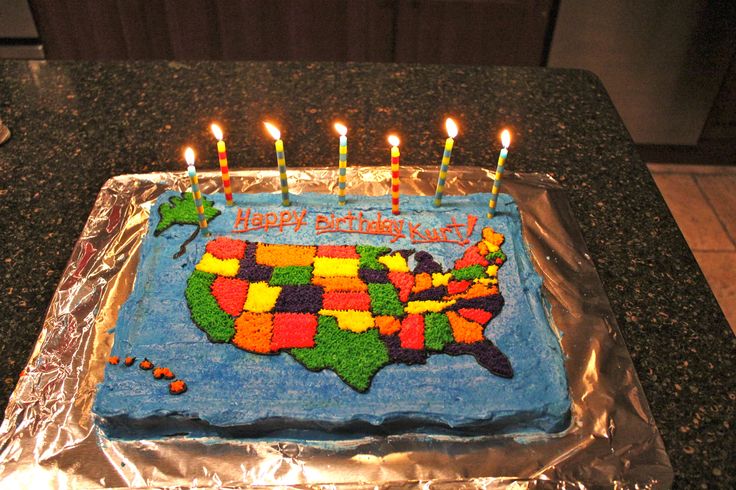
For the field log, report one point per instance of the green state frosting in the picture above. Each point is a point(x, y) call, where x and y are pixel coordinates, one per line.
point(180, 210)
point(369, 256)
point(355, 357)
point(437, 331)
point(496, 255)
point(469, 273)
point(206, 313)
point(291, 275)
point(385, 300)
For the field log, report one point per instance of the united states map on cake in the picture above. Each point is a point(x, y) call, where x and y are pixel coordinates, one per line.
point(351, 309)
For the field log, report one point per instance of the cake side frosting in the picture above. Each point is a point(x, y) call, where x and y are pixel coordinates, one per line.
point(230, 389)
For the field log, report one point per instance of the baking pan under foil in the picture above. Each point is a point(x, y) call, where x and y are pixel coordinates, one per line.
point(49, 437)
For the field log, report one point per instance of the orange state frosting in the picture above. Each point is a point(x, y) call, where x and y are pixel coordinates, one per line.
point(340, 283)
point(464, 331)
point(387, 325)
point(253, 332)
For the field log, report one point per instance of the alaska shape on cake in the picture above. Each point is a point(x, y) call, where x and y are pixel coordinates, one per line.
point(352, 309)
point(181, 210)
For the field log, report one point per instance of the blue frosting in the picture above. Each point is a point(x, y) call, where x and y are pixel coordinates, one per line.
point(236, 393)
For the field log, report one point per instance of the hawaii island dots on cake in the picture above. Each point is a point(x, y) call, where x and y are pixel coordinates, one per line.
point(318, 318)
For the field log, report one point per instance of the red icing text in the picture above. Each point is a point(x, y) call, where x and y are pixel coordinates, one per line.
point(351, 223)
point(249, 220)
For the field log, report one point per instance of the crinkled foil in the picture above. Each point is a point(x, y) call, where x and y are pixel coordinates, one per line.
point(49, 437)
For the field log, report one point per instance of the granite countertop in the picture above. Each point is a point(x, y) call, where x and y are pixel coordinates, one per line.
point(77, 124)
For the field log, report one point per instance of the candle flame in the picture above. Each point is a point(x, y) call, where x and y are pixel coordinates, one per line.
point(505, 138)
point(341, 128)
point(393, 140)
point(216, 131)
point(273, 130)
point(451, 128)
point(189, 156)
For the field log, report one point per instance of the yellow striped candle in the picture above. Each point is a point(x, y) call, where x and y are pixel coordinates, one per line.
point(393, 140)
point(222, 157)
point(505, 141)
point(446, 156)
point(342, 162)
point(281, 161)
point(196, 194)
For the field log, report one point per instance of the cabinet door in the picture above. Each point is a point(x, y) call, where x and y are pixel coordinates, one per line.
point(474, 32)
point(319, 30)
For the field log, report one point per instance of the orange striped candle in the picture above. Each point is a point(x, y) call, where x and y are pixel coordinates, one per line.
point(393, 140)
point(222, 157)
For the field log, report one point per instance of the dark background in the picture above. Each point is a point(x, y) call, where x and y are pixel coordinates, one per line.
point(667, 64)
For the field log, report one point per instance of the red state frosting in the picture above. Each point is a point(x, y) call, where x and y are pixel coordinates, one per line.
point(404, 282)
point(226, 248)
point(292, 330)
point(476, 315)
point(471, 257)
point(456, 287)
point(344, 300)
point(338, 251)
point(412, 332)
point(230, 294)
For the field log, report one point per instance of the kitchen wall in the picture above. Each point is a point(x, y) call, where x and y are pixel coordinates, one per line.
point(662, 61)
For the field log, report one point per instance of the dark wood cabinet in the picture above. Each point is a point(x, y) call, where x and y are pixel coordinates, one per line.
point(425, 31)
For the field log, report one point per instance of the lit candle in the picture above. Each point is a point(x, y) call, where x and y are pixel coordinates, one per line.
point(281, 161)
point(343, 162)
point(451, 133)
point(222, 156)
point(393, 140)
point(505, 141)
point(189, 157)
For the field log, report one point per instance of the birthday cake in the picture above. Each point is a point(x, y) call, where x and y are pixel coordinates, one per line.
point(321, 320)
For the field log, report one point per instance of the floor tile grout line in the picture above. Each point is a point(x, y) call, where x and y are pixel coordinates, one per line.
point(715, 251)
point(715, 212)
point(665, 172)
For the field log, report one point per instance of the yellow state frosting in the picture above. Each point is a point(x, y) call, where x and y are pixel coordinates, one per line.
point(441, 279)
point(336, 266)
point(355, 321)
point(428, 306)
point(395, 262)
point(213, 265)
point(492, 270)
point(261, 297)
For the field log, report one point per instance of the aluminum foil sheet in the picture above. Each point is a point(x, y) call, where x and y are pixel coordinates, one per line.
point(49, 437)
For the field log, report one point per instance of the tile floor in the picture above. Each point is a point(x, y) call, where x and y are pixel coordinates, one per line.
point(707, 218)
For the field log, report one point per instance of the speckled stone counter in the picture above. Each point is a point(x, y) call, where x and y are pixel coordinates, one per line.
point(76, 124)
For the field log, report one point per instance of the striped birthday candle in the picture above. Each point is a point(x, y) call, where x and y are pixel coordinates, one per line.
point(281, 161)
point(395, 155)
point(189, 157)
point(343, 162)
point(505, 141)
point(222, 158)
point(445, 165)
